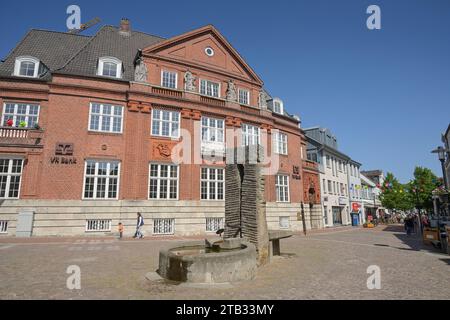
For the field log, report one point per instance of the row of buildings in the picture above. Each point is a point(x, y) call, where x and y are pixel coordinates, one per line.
point(97, 128)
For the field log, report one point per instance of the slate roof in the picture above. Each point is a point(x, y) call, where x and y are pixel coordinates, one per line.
point(109, 42)
point(52, 48)
point(75, 54)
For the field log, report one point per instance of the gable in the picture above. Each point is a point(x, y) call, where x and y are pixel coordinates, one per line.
point(190, 48)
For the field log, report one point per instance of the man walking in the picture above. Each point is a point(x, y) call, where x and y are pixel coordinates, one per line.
point(140, 223)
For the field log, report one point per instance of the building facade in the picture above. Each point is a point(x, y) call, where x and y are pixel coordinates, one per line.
point(446, 141)
point(333, 167)
point(354, 185)
point(98, 128)
point(372, 182)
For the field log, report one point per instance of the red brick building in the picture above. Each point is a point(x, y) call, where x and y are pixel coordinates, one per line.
point(91, 126)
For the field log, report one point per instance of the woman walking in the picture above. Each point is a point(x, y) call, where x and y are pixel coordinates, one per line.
point(140, 223)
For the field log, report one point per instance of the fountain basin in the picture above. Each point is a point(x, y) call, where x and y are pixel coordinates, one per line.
point(196, 263)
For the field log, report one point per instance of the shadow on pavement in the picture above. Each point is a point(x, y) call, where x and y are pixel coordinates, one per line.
point(394, 228)
point(414, 242)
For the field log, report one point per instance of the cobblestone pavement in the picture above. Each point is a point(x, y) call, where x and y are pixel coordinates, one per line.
point(322, 265)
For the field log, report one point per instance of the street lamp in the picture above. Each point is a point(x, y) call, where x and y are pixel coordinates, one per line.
point(441, 155)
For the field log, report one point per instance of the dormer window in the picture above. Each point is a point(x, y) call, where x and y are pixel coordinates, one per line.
point(26, 67)
point(110, 67)
point(278, 106)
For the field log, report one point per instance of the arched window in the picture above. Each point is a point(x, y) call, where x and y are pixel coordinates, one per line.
point(109, 67)
point(26, 66)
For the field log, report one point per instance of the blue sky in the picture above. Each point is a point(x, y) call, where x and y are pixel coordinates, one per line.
point(384, 93)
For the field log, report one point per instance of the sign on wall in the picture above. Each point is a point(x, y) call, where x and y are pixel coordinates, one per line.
point(63, 154)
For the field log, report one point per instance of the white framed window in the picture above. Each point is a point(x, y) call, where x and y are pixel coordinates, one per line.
point(98, 225)
point(282, 188)
point(10, 176)
point(213, 135)
point(165, 123)
point(210, 88)
point(250, 135)
point(101, 179)
point(26, 67)
point(163, 226)
point(214, 224)
point(244, 96)
point(3, 226)
point(284, 222)
point(109, 67)
point(169, 79)
point(105, 118)
point(328, 162)
point(20, 113)
point(212, 183)
point(163, 181)
point(280, 143)
point(278, 106)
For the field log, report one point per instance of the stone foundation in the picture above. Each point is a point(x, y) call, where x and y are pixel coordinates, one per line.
point(68, 217)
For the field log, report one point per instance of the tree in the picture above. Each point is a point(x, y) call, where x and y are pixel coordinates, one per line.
point(421, 187)
point(394, 195)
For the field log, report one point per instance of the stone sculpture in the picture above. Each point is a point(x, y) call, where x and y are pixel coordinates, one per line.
point(245, 207)
point(189, 81)
point(262, 100)
point(140, 72)
point(231, 91)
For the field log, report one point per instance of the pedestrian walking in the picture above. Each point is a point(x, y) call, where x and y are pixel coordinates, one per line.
point(409, 225)
point(120, 228)
point(140, 223)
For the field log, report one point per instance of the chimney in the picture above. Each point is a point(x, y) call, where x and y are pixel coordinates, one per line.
point(125, 27)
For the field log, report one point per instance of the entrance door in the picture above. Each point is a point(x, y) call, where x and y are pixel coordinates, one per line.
point(337, 215)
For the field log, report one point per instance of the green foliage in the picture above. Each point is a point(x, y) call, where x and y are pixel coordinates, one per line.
point(422, 186)
point(416, 193)
point(395, 195)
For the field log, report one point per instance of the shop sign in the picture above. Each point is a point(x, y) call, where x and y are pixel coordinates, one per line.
point(63, 154)
point(355, 206)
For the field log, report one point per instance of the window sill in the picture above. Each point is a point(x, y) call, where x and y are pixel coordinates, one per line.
point(165, 138)
point(104, 133)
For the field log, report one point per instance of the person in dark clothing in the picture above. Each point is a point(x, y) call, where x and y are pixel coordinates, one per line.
point(409, 225)
point(140, 223)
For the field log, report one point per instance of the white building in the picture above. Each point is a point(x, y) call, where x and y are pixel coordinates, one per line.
point(334, 175)
point(354, 184)
point(371, 190)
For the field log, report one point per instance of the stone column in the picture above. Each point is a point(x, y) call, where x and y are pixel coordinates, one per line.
point(253, 211)
point(232, 201)
point(245, 205)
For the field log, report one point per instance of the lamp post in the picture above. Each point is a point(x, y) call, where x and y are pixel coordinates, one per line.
point(441, 155)
point(441, 151)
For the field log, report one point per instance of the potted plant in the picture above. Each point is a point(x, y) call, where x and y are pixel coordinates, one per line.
point(10, 122)
point(22, 124)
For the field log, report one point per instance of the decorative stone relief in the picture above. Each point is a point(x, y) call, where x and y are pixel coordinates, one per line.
point(189, 81)
point(231, 91)
point(163, 150)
